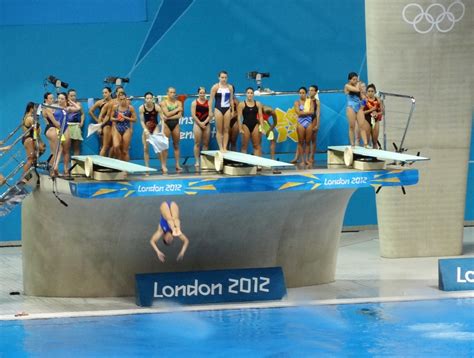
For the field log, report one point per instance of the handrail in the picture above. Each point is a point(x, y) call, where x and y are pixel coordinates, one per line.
point(410, 115)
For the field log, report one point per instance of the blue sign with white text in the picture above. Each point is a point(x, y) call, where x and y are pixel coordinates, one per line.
point(456, 274)
point(216, 286)
point(212, 185)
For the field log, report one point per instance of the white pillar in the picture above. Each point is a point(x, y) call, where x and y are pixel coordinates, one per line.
point(436, 68)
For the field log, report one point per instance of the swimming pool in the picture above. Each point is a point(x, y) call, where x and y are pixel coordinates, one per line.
point(420, 328)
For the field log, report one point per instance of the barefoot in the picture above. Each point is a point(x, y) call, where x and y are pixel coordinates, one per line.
point(294, 161)
point(179, 169)
point(164, 170)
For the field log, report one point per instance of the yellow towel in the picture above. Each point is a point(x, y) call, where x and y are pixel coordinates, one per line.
point(307, 105)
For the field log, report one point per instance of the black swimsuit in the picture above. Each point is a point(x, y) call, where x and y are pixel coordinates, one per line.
point(151, 118)
point(108, 123)
point(250, 116)
point(30, 134)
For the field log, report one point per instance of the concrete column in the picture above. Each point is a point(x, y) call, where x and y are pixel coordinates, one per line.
point(436, 68)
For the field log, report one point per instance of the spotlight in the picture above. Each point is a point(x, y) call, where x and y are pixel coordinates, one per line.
point(257, 76)
point(57, 82)
point(116, 80)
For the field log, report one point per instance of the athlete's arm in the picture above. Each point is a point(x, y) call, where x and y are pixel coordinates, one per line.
point(185, 241)
point(153, 242)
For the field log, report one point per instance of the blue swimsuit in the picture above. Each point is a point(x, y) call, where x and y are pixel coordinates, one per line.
point(74, 117)
point(163, 223)
point(304, 120)
point(125, 124)
point(353, 101)
point(59, 116)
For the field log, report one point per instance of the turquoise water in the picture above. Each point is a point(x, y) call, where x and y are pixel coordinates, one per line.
point(403, 329)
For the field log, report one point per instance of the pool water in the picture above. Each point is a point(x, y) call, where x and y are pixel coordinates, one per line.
point(423, 328)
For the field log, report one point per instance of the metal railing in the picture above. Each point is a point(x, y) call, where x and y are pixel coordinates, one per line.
point(392, 118)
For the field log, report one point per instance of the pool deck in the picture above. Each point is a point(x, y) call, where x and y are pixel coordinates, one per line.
point(361, 276)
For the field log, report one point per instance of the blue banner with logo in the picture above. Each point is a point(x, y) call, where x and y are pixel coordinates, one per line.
point(216, 286)
point(456, 274)
point(259, 183)
point(333, 126)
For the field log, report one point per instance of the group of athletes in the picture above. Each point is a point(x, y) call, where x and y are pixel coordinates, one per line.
point(249, 118)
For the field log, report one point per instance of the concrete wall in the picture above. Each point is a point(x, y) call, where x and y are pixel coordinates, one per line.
point(94, 247)
point(437, 69)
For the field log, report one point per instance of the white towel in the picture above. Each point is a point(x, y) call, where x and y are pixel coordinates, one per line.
point(92, 128)
point(159, 142)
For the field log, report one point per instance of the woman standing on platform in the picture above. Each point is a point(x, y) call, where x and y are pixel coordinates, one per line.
point(251, 113)
point(169, 228)
point(172, 110)
point(304, 108)
point(222, 95)
point(123, 116)
point(267, 129)
point(313, 95)
point(149, 112)
point(61, 131)
point(106, 130)
point(201, 128)
point(354, 111)
point(50, 131)
point(233, 125)
point(373, 114)
point(31, 137)
point(75, 122)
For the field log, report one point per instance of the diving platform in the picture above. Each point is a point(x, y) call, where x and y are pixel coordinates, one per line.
point(96, 245)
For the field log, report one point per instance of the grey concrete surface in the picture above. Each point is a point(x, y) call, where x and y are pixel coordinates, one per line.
point(437, 69)
point(93, 248)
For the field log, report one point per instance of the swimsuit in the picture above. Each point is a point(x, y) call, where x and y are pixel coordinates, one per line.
point(223, 99)
point(73, 117)
point(353, 101)
point(108, 123)
point(151, 118)
point(369, 105)
point(304, 120)
point(171, 123)
point(163, 223)
point(233, 120)
point(60, 116)
point(315, 109)
point(202, 111)
point(125, 124)
point(31, 132)
point(250, 116)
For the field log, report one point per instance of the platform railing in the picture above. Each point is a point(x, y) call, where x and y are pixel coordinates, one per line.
point(13, 159)
point(397, 115)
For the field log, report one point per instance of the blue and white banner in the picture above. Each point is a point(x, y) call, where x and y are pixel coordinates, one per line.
point(260, 183)
point(200, 287)
point(456, 274)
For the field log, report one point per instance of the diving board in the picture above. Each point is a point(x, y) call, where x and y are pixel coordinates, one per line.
point(104, 168)
point(236, 163)
point(346, 154)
